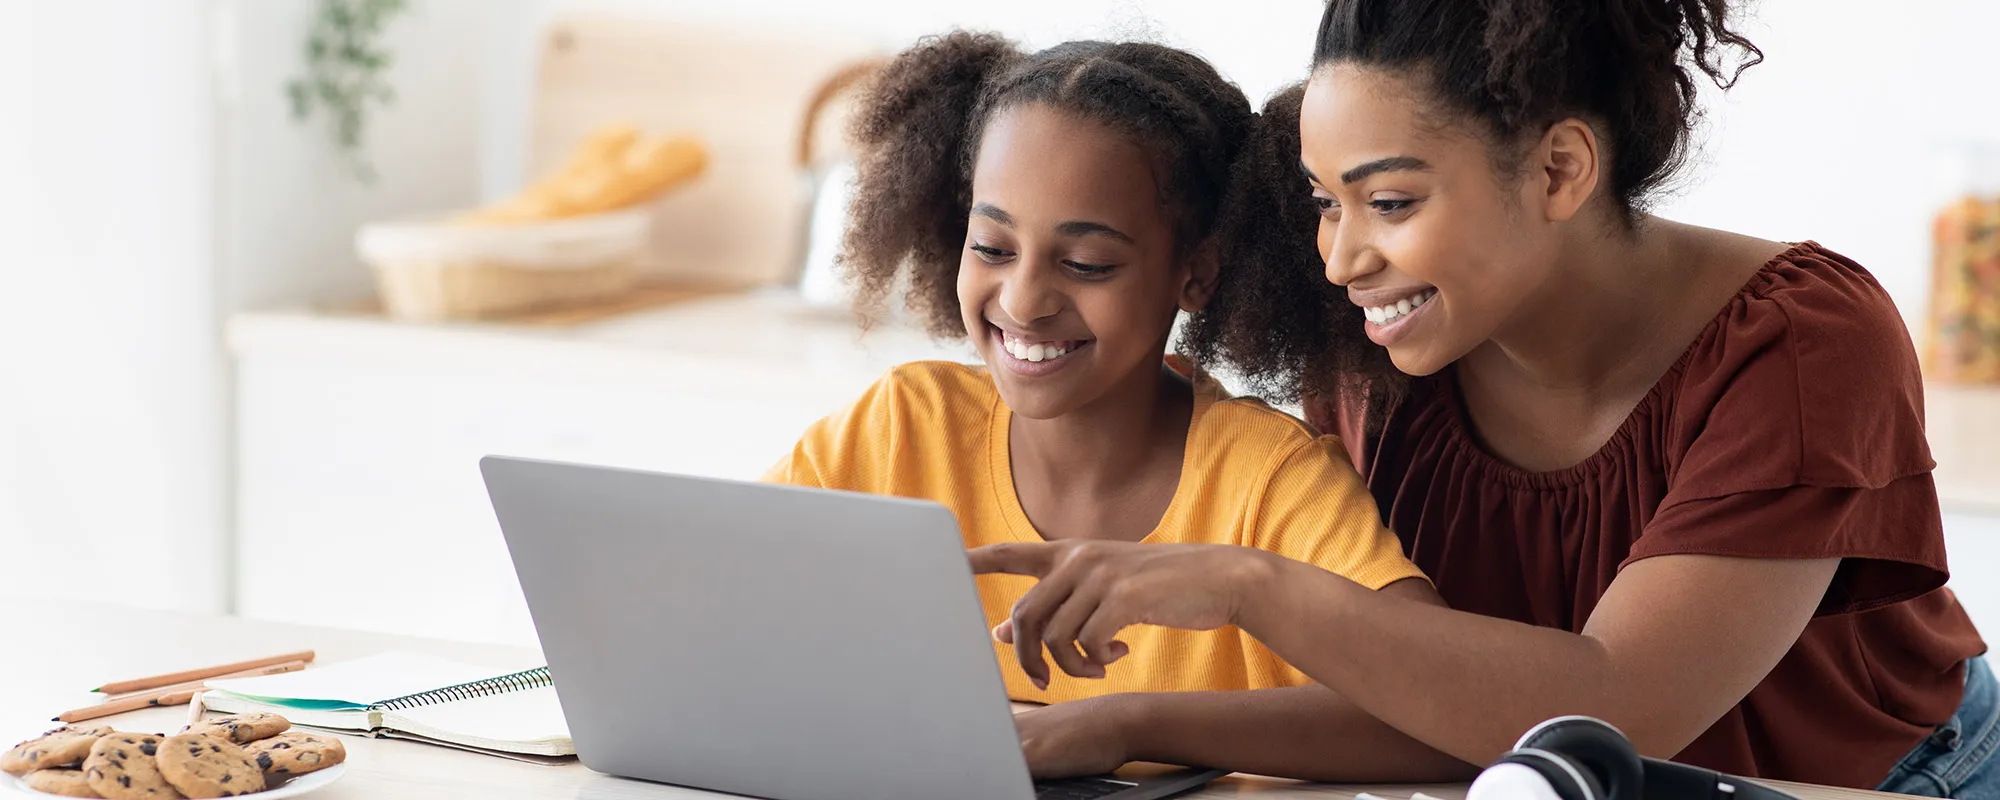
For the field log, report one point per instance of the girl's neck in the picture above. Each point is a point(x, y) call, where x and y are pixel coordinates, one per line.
point(1117, 458)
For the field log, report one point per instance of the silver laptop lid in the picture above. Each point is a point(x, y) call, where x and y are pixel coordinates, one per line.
point(763, 640)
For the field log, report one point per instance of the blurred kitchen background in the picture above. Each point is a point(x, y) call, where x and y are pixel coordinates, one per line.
point(207, 392)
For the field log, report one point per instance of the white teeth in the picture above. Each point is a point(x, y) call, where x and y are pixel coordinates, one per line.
point(1383, 315)
point(1031, 352)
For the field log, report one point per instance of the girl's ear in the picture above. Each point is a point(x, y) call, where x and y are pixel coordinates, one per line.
point(1203, 266)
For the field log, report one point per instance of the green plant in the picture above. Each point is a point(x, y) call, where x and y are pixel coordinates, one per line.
point(346, 70)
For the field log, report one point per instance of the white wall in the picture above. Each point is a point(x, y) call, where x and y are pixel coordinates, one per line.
point(1850, 133)
point(290, 205)
point(110, 399)
point(1838, 136)
point(158, 182)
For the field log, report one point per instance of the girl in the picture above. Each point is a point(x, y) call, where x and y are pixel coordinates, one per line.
point(1668, 476)
point(1058, 209)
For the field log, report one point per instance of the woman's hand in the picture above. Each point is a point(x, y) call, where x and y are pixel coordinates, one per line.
point(1091, 590)
point(1073, 739)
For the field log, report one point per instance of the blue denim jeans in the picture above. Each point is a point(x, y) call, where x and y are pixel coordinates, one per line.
point(1957, 760)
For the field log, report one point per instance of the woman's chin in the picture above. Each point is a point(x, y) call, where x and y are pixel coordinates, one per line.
point(1416, 360)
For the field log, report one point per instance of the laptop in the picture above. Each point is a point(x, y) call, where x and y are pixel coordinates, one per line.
point(769, 641)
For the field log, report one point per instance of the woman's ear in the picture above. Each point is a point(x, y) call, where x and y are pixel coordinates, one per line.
point(1203, 266)
point(1567, 157)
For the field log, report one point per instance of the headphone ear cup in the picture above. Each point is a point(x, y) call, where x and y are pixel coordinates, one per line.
point(1535, 775)
point(1596, 747)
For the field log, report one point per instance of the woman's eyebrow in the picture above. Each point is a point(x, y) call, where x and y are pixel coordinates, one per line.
point(1381, 165)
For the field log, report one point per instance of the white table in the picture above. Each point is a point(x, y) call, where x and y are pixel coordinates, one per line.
point(70, 644)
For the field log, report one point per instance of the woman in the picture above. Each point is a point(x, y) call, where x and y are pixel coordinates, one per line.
point(1667, 476)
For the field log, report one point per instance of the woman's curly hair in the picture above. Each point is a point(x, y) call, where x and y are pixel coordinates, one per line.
point(1508, 68)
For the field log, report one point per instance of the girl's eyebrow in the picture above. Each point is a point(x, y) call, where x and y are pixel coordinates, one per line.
point(1083, 228)
point(1070, 228)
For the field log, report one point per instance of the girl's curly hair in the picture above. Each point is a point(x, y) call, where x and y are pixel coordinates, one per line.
point(917, 133)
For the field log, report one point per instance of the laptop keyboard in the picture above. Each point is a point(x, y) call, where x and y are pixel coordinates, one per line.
point(1081, 789)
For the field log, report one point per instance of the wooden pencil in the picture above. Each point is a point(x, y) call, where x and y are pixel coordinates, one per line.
point(274, 669)
point(201, 673)
point(127, 704)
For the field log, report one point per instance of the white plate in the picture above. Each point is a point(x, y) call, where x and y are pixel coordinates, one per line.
point(302, 784)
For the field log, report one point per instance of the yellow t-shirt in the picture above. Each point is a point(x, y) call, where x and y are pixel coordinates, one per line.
point(1252, 475)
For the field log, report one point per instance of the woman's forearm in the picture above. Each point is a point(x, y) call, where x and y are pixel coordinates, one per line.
point(1662, 661)
point(1306, 732)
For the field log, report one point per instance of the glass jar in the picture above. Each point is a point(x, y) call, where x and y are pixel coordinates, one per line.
point(1962, 336)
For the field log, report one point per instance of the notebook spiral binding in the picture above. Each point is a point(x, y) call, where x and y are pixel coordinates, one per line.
point(519, 681)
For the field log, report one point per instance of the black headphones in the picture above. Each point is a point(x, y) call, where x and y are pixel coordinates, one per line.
point(1581, 758)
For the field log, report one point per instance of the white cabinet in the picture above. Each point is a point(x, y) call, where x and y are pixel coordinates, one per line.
point(359, 498)
point(1972, 543)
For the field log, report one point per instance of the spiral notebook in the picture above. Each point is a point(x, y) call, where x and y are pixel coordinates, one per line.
point(411, 696)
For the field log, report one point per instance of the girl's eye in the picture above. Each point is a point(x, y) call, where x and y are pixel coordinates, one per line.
point(1325, 204)
point(1387, 207)
point(1090, 270)
point(990, 255)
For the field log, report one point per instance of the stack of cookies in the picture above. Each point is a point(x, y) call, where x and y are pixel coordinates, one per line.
point(221, 757)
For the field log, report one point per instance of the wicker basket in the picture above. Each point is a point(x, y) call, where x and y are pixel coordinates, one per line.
point(435, 270)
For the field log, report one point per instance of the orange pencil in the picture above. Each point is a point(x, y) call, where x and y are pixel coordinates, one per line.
point(127, 704)
point(274, 669)
point(203, 673)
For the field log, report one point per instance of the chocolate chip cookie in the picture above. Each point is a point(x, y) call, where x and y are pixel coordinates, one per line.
point(201, 765)
point(121, 767)
point(242, 728)
point(62, 747)
point(65, 782)
point(296, 753)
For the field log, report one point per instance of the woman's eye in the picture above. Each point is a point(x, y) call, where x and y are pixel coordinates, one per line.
point(1386, 207)
point(1325, 204)
point(990, 255)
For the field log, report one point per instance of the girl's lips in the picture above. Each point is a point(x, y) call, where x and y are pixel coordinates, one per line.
point(1030, 368)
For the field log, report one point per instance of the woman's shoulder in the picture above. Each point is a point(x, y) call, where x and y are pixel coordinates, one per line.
point(1819, 321)
point(1810, 364)
point(1816, 292)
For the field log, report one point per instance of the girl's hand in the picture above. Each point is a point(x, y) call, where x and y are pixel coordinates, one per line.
point(1074, 739)
point(1090, 590)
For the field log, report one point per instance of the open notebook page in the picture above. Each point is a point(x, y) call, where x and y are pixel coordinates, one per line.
point(353, 685)
point(529, 721)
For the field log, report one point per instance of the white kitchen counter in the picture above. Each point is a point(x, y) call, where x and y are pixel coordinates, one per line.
point(751, 337)
point(359, 438)
point(359, 441)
